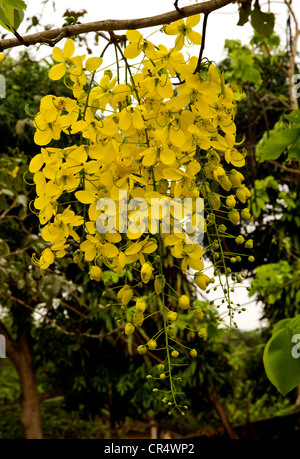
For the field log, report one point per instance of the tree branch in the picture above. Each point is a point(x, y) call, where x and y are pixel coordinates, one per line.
point(51, 37)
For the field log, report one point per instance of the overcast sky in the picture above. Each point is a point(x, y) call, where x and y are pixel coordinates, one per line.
point(221, 26)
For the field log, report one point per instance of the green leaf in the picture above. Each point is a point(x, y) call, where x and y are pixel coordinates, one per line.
point(10, 16)
point(4, 21)
point(15, 4)
point(278, 142)
point(293, 117)
point(263, 23)
point(244, 13)
point(281, 355)
point(294, 150)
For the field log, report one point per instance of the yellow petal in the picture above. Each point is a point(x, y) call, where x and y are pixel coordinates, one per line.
point(134, 36)
point(177, 137)
point(132, 51)
point(192, 21)
point(194, 37)
point(58, 55)
point(93, 63)
point(69, 48)
point(85, 197)
point(36, 163)
point(58, 71)
point(172, 174)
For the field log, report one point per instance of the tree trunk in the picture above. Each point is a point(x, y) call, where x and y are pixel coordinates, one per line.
point(30, 400)
point(213, 396)
point(20, 354)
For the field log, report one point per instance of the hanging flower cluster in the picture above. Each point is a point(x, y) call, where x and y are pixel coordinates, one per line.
point(144, 148)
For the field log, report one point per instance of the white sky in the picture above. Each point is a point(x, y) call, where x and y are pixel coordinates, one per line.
point(221, 23)
point(221, 26)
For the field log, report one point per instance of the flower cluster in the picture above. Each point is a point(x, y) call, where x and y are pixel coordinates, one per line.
point(166, 135)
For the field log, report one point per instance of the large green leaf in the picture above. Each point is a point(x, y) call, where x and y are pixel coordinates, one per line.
point(278, 142)
point(11, 14)
point(263, 23)
point(281, 356)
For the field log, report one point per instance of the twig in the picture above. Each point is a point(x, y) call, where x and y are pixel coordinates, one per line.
point(198, 68)
point(177, 8)
point(287, 169)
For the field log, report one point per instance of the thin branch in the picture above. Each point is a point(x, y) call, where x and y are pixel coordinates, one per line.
point(51, 37)
point(177, 8)
point(287, 169)
point(197, 69)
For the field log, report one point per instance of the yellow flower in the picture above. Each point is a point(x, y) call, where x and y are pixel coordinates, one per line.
point(137, 45)
point(64, 59)
point(47, 258)
point(184, 29)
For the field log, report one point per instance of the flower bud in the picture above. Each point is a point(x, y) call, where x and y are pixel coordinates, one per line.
point(140, 305)
point(249, 244)
point(245, 214)
point(159, 284)
point(146, 272)
point(77, 256)
point(184, 302)
point(138, 318)
point(172, 316)
point(230, 201)
point(234, 216)
point(198, 313)
point(202, 333)
point(125, 294)
point(95, 273)
point(142, 350)
point(240, 239)
point(129, 329)
point(202, 280)
point(152, 344)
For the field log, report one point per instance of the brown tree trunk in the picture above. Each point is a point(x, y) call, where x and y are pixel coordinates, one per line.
point(20, 354)
point(213, 396)
point(30, 400)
